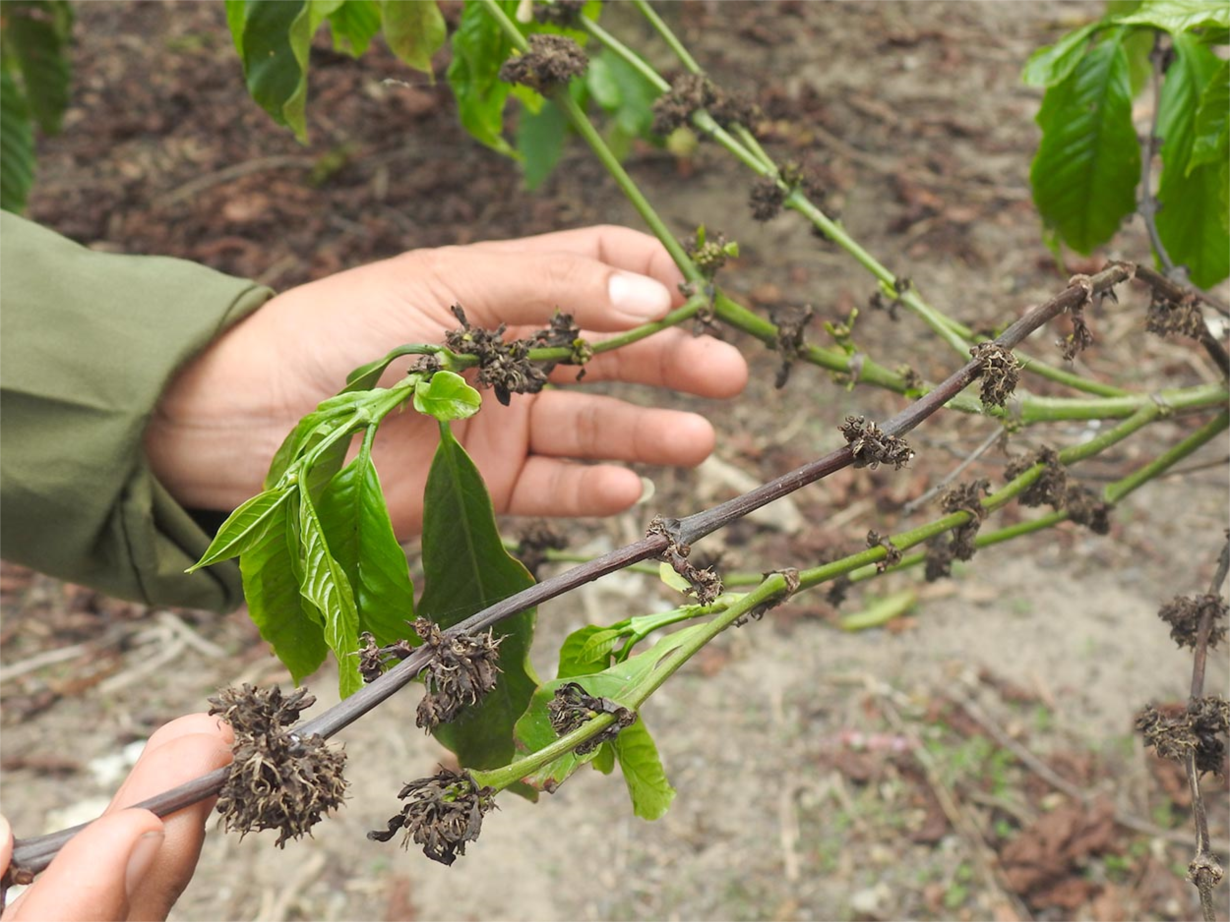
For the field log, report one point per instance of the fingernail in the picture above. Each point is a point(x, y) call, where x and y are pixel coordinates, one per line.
point(637, 296)
point(139, 861)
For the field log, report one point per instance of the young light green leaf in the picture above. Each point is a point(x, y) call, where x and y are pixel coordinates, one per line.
point(245, 526)
point(360, 535)
point(236, 20)
point(274, 44)
point(309, 431)
point(1053, 63)
point(1190, 222)
point(1211, 142)
point(604, 759)
point(1085, 173)
point(323, 583)
point(36, 35)
point(671, 577)
point(587, 650)
point(540, 142)
point(479, 50)
point(1178, 16)
point(414, 32)
point(281, 614)
point(16, 146)
point(466, 568)
point(642, 769)
point(353, 24)
point(620, 683)
point(446, 396)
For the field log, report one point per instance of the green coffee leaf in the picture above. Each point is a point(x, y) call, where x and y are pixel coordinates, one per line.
point(587, 650)
point(622, 683)
point(1211, 143)
point(274, 39)
point(642, 769)
point(36, 38)
point(1191, 221)
point(1053, 63)
point(1085, 173)
point(311, 430)
point(323, 583)
point(540, 142)
point(604, 759)
point(353, 23)
point(414, 32)
point(360, 536)
point(479, 50)
point(16, 146)
point(1178, 16)
point(466, 568)
point(245, 526)
point(446, 396)
point(285, 620)
point(671, 577)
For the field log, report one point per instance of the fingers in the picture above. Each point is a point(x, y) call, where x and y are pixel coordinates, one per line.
point(573, 425)
point(619, 247)
point(180, 751)
point(548, 487)
point(95, 873)
point(6, 844)
point(673, 358)
point(527, 288)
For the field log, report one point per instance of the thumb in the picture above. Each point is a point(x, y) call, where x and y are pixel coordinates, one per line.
point(96, 872)
point(528, 288)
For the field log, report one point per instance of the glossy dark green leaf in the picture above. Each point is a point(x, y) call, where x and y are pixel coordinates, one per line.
point(540, 141)
point(354, 23)
point(1053, 63)
point(479, 50)
point(1190, 222)
point(1211, 143)
point(1178, 16)
point(245, 526)
point(642, 769)
point(1085, 173)
point(360, 536)
point(446, 396)
point(466, 568)
point(36, 39)
point(274, 45)
point(414, 32)
point(323, 583)
point(281, 614)
point(16, 146)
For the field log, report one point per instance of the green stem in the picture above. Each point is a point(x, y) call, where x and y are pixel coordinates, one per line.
point(500, 778)
point(668, 36)
point(626, 54)
point(1048, 409)
point(1121, 488)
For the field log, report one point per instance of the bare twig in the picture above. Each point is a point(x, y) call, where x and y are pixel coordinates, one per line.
point(1204, 871)
point(1147, 207)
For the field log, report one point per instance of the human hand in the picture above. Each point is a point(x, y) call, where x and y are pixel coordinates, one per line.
point(221, 421)
point(129, 864)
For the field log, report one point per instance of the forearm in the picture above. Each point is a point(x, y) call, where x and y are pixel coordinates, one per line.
point(89, 343)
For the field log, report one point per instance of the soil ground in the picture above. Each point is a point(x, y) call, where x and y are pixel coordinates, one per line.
point(902, 772)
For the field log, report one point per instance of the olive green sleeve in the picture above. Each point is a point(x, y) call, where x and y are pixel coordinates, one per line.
point(88, 343)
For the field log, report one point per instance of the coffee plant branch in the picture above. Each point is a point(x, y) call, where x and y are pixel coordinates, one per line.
point(35, 854)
